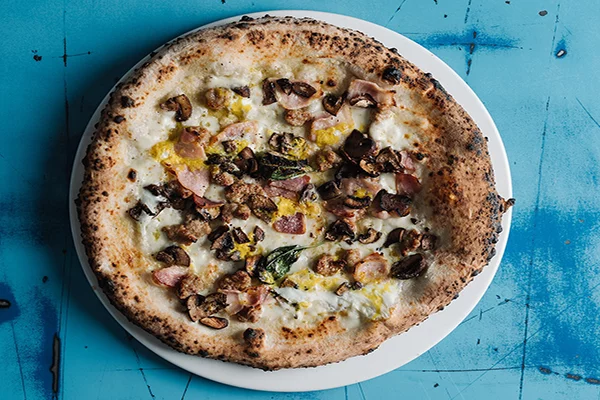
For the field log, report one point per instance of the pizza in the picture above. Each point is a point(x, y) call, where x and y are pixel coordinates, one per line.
point(282, 193)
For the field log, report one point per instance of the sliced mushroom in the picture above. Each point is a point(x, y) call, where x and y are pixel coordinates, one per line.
point(329, 190)
point(246, 153)
point(136, 211)
point(229, 146)
point(393, 203)
point(214, 322)
point(202, 307)
point(259, 234)
point(181, 105)
point(370, 167)
point(217, 98)
point(395, 236)
point(173, 255)
point(340, 230)
point(332, 103)
point(410, 267)
point(389, 160)
point(285, 85)
point(303, 89)
point(428, 241)
point(308, 194)
point(343, 288)
point(243, 91)
point(239, 236)
point(223, 242)
point(370, 236)
point(268, 88)
point(251, 264)
point(356, 202)
point(359, 145)
point(364, 100)
point(262, 206)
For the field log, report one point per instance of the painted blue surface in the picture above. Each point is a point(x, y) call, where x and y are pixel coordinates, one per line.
point(535, 334)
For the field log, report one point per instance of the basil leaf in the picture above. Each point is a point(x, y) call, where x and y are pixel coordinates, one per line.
point(274, 167)
point(277, 264)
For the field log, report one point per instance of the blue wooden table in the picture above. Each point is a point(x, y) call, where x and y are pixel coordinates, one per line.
point(535, 64)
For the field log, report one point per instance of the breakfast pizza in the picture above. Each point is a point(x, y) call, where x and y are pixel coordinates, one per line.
point(282, 193)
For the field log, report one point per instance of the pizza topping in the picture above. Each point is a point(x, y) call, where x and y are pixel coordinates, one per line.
point(274, 167)
point(239, 236)
point(262, 206)
point(136, 211)
point(236, 131)
point(303, 89)
point(223, 178)
point(181, 105)
point(409, 267)
point(259, 234)
point(201, 307)
point(359, 145)
point(277, 264)
point(173, 192)
point(343, 288)
point(428, 241)
point(243, 91)
point(352, 257)
point(217, 98)
point(252, 262)
point(285, 85)
point(207, 209)
point(289, 188)
point(410, 241)
point(329, 190)
point(343, 120)
point(188, 232)
point(363, 92)
point(327, 159)
point(389, 160)
point(254, 338)
point(268, 88)
point(406, 161)
point(191, 142)
point(372, 268)
point(214, 322)
point(239, 280)
point(395, 236)
point(195, 180)
point(234, 210)
point(190, 285)
point(407, 185)
point(394, 204)
point(288, 144)
point(308, 194)
point(222, 242)
point(173, 255)
point(328, 265)
point(332, 103)
point(249, 314)
point(292, 224)
point(356, 202)
point(341, 229)
point(297, 117)
point(359, 187)
point(170, 276)
point(370, 236)
point(240, 191)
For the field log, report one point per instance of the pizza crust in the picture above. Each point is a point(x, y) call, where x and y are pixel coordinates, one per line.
point(460, 192)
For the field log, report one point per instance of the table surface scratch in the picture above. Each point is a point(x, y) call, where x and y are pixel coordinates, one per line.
point(534, 335)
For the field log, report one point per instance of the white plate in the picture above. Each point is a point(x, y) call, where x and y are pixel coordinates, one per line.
point(394, 352)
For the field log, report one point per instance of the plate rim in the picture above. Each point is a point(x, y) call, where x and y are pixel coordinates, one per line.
point(328, 375)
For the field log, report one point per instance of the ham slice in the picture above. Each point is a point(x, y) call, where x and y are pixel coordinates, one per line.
point(382, 97)
point(292, 224)
point(407, 184)
point(289, 188)
point(293, 101)
point(203, 202)
point(406, 161)
point(337, 208)
point(371, 268)
point(236, 131)
point(191, 143)
point(196, 180)
point(327, 121)
point(170, 276)
point(349, 186)
point(252, 297)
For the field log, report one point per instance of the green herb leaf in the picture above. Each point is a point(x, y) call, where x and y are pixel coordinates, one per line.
point(277, 168)
point(277, 264)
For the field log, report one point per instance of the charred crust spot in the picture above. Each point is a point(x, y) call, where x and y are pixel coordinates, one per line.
point(118, 119)
point(132, 175)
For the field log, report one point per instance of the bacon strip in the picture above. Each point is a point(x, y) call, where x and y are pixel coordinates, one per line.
point(170, 276)
point(383, 97)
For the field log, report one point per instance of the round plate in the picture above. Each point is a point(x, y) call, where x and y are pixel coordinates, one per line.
point(398, 350)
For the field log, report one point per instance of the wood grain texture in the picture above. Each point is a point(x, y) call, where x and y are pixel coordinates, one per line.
point(534, 334)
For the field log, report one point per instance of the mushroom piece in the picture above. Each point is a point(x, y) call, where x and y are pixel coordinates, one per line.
point(389, 160)
point(395, 236)
point(393, 203)
point(327, 265)
point(243, 91)
point(259, 234)
point(239, 236)
point(201, 307)
point(181, 105)
point(251, 264)
point(359, 145)
point(217, 98)
point(268, 88)
point(135, 212)
point(410, 267)
point(343, 288)
point(329, 190)
point(173, 255)
point(285, 85)
point(370, 236)
point(262, 206)
point(356, 202)
point(326, 159)
point(370, 167)
point(214, 322)
point(303, 89)
point(332, 103)
point(364, 100)
point(428, 241)
point(340, 230)
point(249, 314)
point(308, 194)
